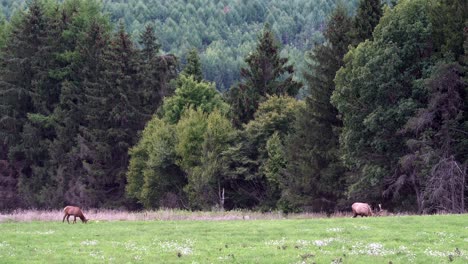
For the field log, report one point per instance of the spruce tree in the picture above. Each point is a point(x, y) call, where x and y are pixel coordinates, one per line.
point(367, 17)
point(154, 74)
point(193, 66)
point(30, 92)
point(450, 16)
point(111, 120)
point(314, 173)
point(67, 171)
point(78, 104)
point(266, 74)
point(149, 43)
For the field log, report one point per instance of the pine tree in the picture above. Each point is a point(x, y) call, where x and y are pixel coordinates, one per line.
point(193, 66)
point(112, 120)
point(30, 92)
point(149, 44)
point(3, 29)
point(314, 173)
point(266, 74)
point(154, 73)
point(92, 107)
point(367, 17)
point(76, 24)
point(450, 16)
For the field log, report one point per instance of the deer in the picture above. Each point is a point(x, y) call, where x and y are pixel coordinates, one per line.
point(383, 212)
point(76, 212)
point(362, 209)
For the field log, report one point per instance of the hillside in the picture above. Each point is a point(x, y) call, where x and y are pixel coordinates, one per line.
point(223, 31)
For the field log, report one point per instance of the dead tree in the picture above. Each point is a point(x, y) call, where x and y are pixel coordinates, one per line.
point(445, 189)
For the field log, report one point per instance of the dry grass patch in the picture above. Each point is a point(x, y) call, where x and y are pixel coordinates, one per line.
point(159, 215)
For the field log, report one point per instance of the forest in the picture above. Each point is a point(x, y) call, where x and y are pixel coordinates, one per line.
point(223, 31)
point(296, 106)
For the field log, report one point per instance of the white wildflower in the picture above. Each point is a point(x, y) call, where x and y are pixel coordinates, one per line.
point(48, 232)
point(335, 229)
point(324, 242)
point(132, 246)
point(183, 248)
point(372, 249)
point(97, 254)
point(89, 243)
point(4, 244)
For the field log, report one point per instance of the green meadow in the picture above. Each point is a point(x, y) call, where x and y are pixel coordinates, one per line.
point(398, 239)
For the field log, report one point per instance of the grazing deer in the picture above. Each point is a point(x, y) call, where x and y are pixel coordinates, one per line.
point(75, 211)
point(361, 209)
point(383, 212)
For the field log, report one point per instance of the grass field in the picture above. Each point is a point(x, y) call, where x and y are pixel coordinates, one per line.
point(398, 239)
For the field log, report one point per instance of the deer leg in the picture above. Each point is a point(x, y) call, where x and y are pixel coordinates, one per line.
point(68, 218)
point(74, 220)
point(64, 218)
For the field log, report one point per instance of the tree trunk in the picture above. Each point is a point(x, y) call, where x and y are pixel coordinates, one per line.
point(221, 197)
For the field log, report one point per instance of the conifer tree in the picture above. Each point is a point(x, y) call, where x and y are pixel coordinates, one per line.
point(80, 54)
point(112, 119)
point(433, 167)
point(154, 73)
point(29, 95)
point(314, 173)
point(193, 66)
point(266, 74)
point(450, 16)
point(149, 44)
point(367, 17)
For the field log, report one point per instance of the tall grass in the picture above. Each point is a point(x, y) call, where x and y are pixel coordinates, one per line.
point(166, 214)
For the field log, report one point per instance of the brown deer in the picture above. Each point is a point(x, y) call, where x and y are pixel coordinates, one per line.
point(361, 209)
point(76, 212)
point(383, 212)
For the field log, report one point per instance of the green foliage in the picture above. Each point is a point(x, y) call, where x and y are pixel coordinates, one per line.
point(192, 94)
point(202, 142)
point(151, 173)
point(226, 28)
point(267, 74)
point(72, 105)
point(367, 17)
point(314, 174)
point(3, 30)
point(190, 130)
point(193, 66)
point(189, 155)
point(276, 161)
point(149, 43)
point(450, 16)
point(274, 116)
point(154, 71)
point(379, 89)
point(29, 94)
point(433, 165)
point(76, 94)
